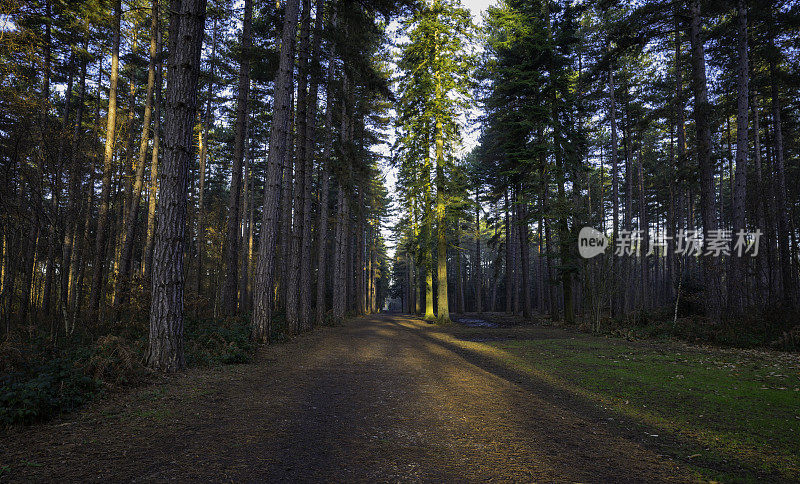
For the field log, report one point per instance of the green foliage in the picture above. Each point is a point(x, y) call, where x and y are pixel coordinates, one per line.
point(434, 84)
point(43, 380)
point(43, 390)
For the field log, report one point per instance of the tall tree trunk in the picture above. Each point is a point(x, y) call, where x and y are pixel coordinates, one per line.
point(524, 247)
point(296, 230)
point(459, 275)
point(762, 267)
point(563, 227)
point(287, 186)
point(643, 227)
point(701, 114)
point(427, 233)
point(126, 176)
point(310, 140)
point(246, 206)
point(681, 199)
point(443, 311)
point(229, 288)
point(147, 256)
point(337, 303)
point(516, 251)
point(71, 243)
point(509, 257)
point(108, 160)
point(250, 241)
point(186, 29)
point(478, 268)
point(359, 246)
point(616, 302)
point(262, 310)
point(737, 284)
point(325, 177)
point(784, 241)
point(133, 212)
point(201, 208)
point(627, 262)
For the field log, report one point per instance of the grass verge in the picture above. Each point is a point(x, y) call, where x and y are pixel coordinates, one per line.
point(738, 409)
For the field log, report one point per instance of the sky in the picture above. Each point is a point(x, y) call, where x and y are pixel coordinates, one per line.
point(477, 7)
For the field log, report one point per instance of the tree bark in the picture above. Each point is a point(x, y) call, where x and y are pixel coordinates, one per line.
point(615, 302)
point(108, 160)
point(478, 268)
point(296, 230)
point(310, 140)
point(762, 268)
point(644, 281)
point(262, 311)
point(443, 310)
point(524, 261)
point(509, 258)
point(165, 352)
point(322, 223)
point(147, 256)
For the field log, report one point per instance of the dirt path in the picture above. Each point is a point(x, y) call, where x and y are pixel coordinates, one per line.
point(377, 399)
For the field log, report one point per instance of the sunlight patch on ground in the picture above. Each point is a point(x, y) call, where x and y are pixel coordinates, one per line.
point(735, 408)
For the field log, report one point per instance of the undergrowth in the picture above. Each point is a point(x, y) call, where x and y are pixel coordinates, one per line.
point(777, 329)
point(41, 378)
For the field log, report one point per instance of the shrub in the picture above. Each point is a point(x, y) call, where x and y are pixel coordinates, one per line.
point(41, 378)
point(225, 341)
point(116, 361)
point(43, 391)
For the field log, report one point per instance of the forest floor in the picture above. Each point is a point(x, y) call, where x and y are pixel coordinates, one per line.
point(391, 398)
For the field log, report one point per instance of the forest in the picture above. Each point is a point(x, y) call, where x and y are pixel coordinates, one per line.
point(668, 127)
point(186, 183)
point(178, 159)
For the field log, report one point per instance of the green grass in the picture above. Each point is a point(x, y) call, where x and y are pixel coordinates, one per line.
point(741, 408)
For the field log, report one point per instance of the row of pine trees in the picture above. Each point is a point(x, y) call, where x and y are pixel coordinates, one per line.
point(210, 159)
point(658, 117)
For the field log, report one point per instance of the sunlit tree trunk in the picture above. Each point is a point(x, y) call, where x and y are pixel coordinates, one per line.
point(108, 160)
point(147, 256)
point(133, 211)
